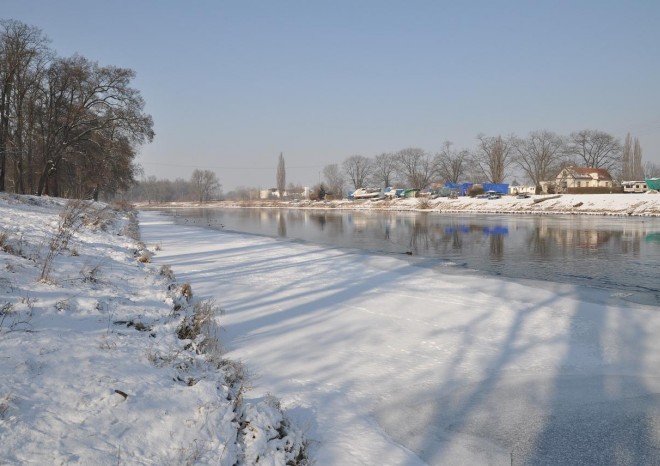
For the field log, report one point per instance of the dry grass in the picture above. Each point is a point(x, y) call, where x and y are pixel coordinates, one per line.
point(71, 220)
point(423, 203)
point(166, 271)
point(4, 236)
point(144, 258)
point(186, 291)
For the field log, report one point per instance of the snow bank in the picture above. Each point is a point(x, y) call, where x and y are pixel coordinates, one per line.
point(585, 204)
point(95, 365)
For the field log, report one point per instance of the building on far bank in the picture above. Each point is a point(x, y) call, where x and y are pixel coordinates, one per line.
point(273, 193)
point(580, 180)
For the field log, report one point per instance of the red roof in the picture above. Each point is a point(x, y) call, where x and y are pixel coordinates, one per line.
point(586, 172)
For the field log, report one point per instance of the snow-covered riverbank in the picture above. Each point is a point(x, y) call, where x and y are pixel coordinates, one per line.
point(573, 204)
point(105, 360)
point(383, 362)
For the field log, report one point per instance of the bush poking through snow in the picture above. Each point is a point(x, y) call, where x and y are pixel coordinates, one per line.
point(132, 228)
point(4, 236)
point(424, 203)
point(166, 271)
point(145, 258)
point(90, 274)
point(11, 320)
point(71, 220)
point(5, 310)
point(201, 328)
point(5, 404)
point(186, 291)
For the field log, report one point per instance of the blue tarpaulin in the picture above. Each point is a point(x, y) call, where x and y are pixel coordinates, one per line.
point(462, 188)
point(501, 188)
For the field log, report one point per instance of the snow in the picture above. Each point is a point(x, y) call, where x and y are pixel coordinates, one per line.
point(632, 204)
point(365, 359)
point(382, 362)
point(91, 368)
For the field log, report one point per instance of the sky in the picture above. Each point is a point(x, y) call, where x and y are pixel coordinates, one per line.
point(231, 85)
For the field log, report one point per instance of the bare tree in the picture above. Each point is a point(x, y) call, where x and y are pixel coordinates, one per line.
point(357, 169)
point(81, 99)
point(651, 170)
point(334, 179)
point(416, 166)
point(637, 167)
point(627, 159)
point(383, 170)
point(539, 155)
point(205, 183)
point(595, 149)
point(281, 176)
point(23, 52)
point(493, 157)
point(451, 164)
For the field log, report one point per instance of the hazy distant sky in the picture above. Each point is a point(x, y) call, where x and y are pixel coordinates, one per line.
point(230, 85)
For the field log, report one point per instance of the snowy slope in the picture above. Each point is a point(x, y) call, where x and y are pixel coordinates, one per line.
point(93, 367)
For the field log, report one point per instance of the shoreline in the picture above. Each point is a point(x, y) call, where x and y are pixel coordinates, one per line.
point(620, 205)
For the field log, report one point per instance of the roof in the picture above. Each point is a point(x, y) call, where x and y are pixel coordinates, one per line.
point(587, 173)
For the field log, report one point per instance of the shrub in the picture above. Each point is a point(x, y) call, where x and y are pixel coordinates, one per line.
point(4, 236)
point(423, 203)
point(475, 190)
point(144, 258)
point(166, 271)
point(186, 291)
point(201, 327)
point(71, 220)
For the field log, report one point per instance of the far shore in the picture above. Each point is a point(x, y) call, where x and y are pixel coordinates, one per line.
point(638, 205)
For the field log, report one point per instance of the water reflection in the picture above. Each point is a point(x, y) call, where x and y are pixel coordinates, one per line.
point(619, 253)
point(655, 237)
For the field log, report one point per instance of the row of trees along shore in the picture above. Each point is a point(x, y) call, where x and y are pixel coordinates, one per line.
point(495, 159)
point(68, 126)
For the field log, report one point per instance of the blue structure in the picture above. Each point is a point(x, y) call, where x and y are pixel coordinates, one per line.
point(461, 188)
point(501, 188)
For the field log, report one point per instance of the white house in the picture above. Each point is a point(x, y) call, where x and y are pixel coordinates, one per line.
point(583, 177)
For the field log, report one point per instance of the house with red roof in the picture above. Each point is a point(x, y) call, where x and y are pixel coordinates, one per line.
point(570, 178)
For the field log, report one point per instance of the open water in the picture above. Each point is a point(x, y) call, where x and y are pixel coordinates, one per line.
point(620, 255)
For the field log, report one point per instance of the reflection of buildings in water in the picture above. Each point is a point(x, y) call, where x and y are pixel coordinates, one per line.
point(359, 223)
point(623, 241)
point(631, 241)
point(539, 242)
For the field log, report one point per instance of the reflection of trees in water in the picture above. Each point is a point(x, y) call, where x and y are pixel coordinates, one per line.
point(497, 247)
point(539, 243)
point(456, 241)
point(281, 225)
point(420, 239)
point(332, 222)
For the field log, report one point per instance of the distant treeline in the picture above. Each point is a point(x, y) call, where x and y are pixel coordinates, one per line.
point(535, 158)
point(202, 186)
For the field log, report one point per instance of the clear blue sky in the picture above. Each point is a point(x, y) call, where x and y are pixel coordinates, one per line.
point(230, 85)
